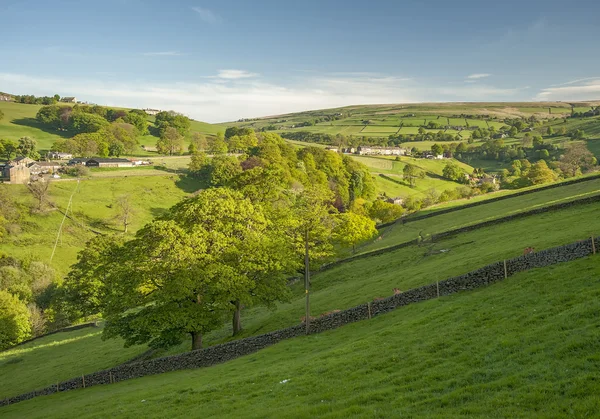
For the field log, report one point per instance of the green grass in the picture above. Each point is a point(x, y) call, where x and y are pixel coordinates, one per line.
point(524, 347)
point(93, 207)
point(19, 121)
point(399, 233)
point(59, 357)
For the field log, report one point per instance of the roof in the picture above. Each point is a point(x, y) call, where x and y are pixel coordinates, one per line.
point(107, 160)
point(48, 163)
point(22, 158)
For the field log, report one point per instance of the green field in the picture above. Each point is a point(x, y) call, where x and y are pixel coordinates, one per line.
point(92, 207)
point(523, 347)
point(19, 121)
point(359, 281)
point(399, 233)
point(59, 357)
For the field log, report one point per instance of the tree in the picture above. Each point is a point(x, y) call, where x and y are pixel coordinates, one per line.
point(14, 320)
point(453, 172)
point(170, 142)
point(198, 143)
point(87, 122)
point(125, 211)
point(540, 173)
point(40, 191)
point(576, 159)
point(8, 148)
point(437, 149)
point(183, 272)
point(354, 228)
point(138, 120)
point(27, 148)
point(217, 145)
point(223, 170)
point(550, 131)
point(412, 172)
point(385, 212)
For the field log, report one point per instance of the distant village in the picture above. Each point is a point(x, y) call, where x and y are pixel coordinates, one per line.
point(383, 151)
point(22, 170)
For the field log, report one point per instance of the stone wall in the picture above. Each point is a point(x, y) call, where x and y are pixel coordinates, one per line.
point(549, 208)
point(231, 350)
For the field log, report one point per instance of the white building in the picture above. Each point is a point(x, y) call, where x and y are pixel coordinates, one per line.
point(381, 151)
point(151, 111)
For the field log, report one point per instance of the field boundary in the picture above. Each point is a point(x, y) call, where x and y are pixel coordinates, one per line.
point(64, 329)
point(217, 354)
point(470, 227)
point(410, 219)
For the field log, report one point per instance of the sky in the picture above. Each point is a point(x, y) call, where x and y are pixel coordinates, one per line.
point(223, 60)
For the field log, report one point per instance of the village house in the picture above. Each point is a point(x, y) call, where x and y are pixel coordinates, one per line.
point(349, 150)
point(69, 99)
point(395, 201)
point(17, 173)
point(381, 151)
point(5, 98)
point(21, 161)
point(331, 149)
point(43, 167)
point(59, 155)
point(108, 162)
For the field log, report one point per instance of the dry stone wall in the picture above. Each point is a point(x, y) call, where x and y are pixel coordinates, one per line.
point(231, 350)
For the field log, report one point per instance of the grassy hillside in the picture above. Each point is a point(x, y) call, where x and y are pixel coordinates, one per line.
point(59, 357)
point(19, 121)
point(399, 233)
point(520, 348)
point(392, 168)
point(359, 281)
point(93, 207)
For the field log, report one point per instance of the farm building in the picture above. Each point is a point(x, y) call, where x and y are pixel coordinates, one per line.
point(69, 99)
point(5, 98)
point(17, 173)
point(43, 167)
point(151, 111)
point(331, 149)
point(395, 201)
point(21, 161)
point(59, 156)
point(107, 162)
point(78, 161)
point(381, 151)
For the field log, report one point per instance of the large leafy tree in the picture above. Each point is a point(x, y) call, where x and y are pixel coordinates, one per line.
point(27, 148)
point(14, 320)
point(170, 142)
point(210, 255)
point(354, 228)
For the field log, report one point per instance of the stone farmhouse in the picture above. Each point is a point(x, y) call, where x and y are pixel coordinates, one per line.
point(151, 111)
point(43, 167)
point(16, 173)
point(381, 151)
point(69, 99)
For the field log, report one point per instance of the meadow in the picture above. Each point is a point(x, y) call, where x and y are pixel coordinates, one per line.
point(93, 208)
point(520, 348)
point(359, 281)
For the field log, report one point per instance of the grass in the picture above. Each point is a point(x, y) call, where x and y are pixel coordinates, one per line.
point(93, 207)
point(19, 121)
point(524, 347)
point(59, 357)
point(399, 233)
point(393, 168)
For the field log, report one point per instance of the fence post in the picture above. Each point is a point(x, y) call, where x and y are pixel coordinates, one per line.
point(57, 387)
point(110, 377)
point(593, 246)
point(369, 307)
point(83, 380)
point(505, 271)
point(438, 289)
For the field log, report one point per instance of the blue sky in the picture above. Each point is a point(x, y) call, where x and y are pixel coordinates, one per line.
point(224, 60)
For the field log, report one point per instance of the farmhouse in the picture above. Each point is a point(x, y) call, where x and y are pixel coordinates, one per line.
point(151, 111)
point(21, 161)
point(331, 149)
point(106, 162)
point(42, 167)
point(17, 173)
point(69, 99)
point(395, 201)
point(59, 156)
point(5, 98)
point(381, 151)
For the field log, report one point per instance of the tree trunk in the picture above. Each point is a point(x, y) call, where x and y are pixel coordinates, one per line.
point(306, 280)
point(196, 341)
point(237, 322)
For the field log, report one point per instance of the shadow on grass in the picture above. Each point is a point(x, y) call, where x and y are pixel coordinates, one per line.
point(33, 123)
point(191, 184)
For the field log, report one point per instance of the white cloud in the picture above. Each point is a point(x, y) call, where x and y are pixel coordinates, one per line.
point(478, 75)
point(219, 99)
point(206, 15)
point(162, 54)
point(582, 89)
point(235, 74)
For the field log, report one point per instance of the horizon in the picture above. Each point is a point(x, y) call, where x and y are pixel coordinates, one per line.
point(220, 65)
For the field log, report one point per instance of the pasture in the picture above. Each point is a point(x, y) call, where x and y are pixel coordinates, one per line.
point(526, 344)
